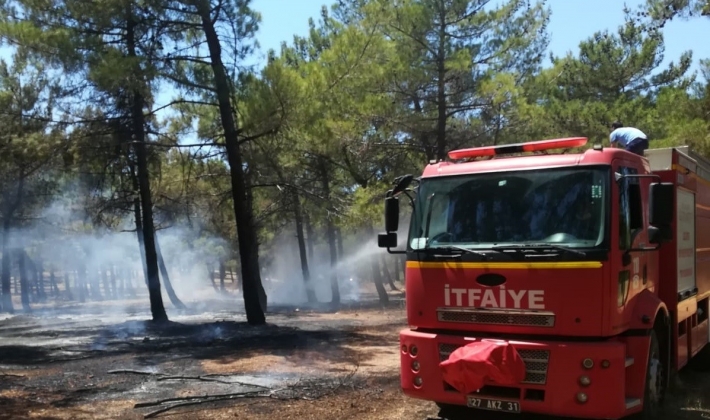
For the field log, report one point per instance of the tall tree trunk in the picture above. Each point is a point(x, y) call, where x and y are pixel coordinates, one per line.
point(298, 216)
point(330, 234)
point(32, 278)
point(390, 281)
point(81, 281)
point(334, 286)
point(255, 248)
point(157, 308)
point(166, 279)
point(339, 235)
point(210, 275)
point(24, 283)
point(310, 235)
point(377, 278)
point(376, 274)
point(53, 282)
point(395, 268)
point(139, 227)
point(39, 275)
point(404, 269)
point(346, 270)
point(5, 277)
point(6, 264)
point(67, 286)
point(222, 274)
point(243, 213)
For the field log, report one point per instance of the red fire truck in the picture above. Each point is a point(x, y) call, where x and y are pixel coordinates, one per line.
point(568, 284)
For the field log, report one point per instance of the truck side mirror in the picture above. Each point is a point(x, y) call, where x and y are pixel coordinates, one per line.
point(387, 240)
point(391, 214)
point(660, 213)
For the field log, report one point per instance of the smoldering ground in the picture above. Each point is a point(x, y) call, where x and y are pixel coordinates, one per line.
point(80, 364)
point(63, 339)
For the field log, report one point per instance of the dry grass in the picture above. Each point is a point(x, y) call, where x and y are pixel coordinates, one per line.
point(330, 344)
point(14, 393)
point(117, 409)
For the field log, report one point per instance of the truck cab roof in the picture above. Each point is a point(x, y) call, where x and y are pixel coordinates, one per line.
point(591, 156)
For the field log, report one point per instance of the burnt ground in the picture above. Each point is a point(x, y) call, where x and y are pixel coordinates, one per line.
point(92, 362)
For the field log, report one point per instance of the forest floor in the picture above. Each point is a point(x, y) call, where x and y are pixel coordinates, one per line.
point(78, 362)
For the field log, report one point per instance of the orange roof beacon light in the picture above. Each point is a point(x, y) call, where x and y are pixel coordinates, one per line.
point(533, 146)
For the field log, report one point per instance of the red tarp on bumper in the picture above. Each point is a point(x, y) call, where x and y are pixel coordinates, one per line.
point(468, 367)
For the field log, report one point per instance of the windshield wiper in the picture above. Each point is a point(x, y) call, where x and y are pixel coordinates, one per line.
point(452, 249)
point(539, 246)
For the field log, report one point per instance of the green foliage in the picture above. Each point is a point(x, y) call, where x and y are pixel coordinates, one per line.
point(30, 146)
point(614, 77)
point(662, 11)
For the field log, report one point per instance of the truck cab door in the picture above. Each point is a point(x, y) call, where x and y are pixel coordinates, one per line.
point(632, 233)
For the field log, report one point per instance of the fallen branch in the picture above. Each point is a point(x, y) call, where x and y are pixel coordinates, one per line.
point(207, 379)
point(163, 377)
point(195, 378)
point(190, 398)
point(137, 372)
point(10, 375)
point(208, 399)
point(263, 393)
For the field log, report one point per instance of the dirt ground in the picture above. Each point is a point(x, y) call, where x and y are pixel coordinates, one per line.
point(306, 364)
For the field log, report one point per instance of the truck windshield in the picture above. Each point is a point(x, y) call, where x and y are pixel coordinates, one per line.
point(551, 206)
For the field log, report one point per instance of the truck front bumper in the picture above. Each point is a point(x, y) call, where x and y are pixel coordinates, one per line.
point(557, 381)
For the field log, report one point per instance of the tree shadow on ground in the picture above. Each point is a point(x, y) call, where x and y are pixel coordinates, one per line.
point(143, 339)
point(78, 371)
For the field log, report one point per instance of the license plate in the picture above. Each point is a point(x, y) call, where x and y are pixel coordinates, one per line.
point(494, 405)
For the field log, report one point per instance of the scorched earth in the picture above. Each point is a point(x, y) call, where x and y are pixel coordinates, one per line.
point(208, 364)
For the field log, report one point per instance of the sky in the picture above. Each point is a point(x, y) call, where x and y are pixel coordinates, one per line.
point(572, 21)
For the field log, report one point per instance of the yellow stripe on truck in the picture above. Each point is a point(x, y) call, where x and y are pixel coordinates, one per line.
point(507, 265)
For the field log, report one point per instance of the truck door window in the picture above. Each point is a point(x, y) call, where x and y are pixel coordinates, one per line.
point(630, 207)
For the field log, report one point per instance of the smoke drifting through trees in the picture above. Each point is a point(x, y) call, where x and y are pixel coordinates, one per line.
point(356, 262)
point(58, 259)
point(280, 173)
point(61, 263)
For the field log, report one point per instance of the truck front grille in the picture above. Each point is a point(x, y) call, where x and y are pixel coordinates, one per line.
point(536, 362)
point(496, 317)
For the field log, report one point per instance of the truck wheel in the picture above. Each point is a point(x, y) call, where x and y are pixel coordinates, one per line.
point(655, 377)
